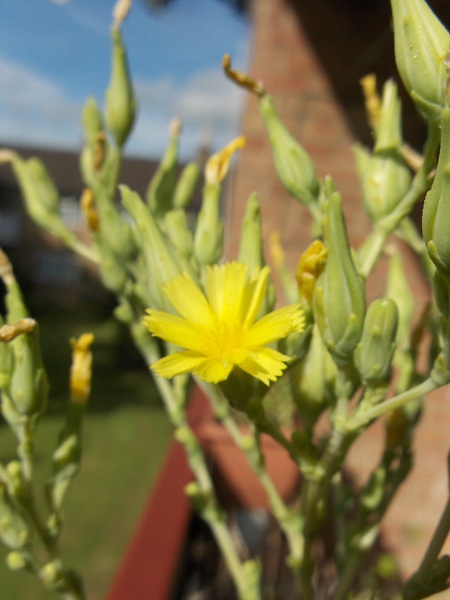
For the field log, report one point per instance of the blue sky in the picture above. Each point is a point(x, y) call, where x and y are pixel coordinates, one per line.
point(53, 55)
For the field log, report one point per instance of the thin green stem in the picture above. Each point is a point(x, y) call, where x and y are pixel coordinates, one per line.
point(436, 542)
point(357, 420)
point(316, 487)
point(370, 251)
point(85, 251)
point(232, 560)
point(373, 245)
point(278, 507)
point(176, 412)
point(352, 565)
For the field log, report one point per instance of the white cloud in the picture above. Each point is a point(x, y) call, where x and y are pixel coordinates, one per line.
point(208, 105)
point(35, 110)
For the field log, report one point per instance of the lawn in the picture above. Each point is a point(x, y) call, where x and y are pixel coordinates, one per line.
point(126, 434)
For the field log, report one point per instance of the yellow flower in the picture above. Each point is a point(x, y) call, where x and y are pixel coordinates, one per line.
point(219, 330)
point(81, 369)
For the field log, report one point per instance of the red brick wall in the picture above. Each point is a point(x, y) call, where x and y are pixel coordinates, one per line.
point(285, 61)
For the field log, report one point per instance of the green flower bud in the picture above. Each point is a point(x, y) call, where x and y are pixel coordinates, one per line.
point(52, 574)
point(28, 388)
point(436, 208)
point(19, 561)
point(339, 299)
point(112, 270)
point(398, 289)
point(67, 455)
point(177, 230)
point(16, 483)
point(14, 530)
point(39, 192)
point(312, 380)
point(421, 45)
point(373, 354)
point(92, 120)
point(442, 294)
point(120, 110)
point(386, 178)
point(294, 166)
point(251, 246)
point(159, 262)
point(161, 189)
point(186, 185)
point(114, 234)
point(362, 157)
point(208, 237)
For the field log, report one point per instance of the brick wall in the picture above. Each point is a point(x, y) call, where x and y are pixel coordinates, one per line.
point(284, 59)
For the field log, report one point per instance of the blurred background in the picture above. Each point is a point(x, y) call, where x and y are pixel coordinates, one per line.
point(53, 56)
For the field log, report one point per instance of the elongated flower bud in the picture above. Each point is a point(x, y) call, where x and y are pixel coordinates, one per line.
point(177, 230)
point(386, 178)
point(14, 530)
point(28, 388)
point(294, 166)
point(186, 185)
point(339, 299)
point(436, 208)
point(38, 188)
point(421, 44)
point(251, 245)
point(312, 380)
point(161, 189)
point(159, 262)
point(374, 353)
point(208, 237)
point(120, 110)
point(92, 120)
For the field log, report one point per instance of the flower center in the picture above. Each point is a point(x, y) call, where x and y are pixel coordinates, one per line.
point(228, 343)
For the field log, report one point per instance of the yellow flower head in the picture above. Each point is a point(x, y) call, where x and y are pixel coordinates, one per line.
point(81, 369)
point(219, 330)
point(311, 264)
point(218, 164)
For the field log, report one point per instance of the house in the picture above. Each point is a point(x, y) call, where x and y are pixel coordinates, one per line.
point(42, 262)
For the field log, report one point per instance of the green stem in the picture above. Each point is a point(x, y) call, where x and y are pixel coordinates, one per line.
point(370, 251)
point(176, 412)
point(436, 543)
point(357, 420)
point(316, 488)
point(373, 245)
point(279, 508)
point(352, 565)
point(83, 250)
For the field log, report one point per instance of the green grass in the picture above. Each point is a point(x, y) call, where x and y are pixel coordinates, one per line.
point(126, 434)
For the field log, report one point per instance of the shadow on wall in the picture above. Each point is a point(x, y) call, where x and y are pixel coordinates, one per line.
point(354, 38)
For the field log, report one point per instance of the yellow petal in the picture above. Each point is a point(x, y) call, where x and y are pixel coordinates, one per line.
point(176, 364)
point(275, 326)
point(188, 300)
point(175, 330)
point(254, 295)
point(266, 365)
point(213, 370)
point(225, 287)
